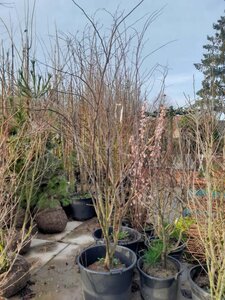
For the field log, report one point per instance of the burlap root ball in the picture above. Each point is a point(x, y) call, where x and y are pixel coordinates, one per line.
point(15, 279)
point(51, 220)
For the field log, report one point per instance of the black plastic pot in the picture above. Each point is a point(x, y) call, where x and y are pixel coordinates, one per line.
point(153, 288)
point(132, 245)
point(81, 209)
point(197, 292)
point(113, 285)
point(177, 254)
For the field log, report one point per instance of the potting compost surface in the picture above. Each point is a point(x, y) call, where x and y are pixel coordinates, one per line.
point(159, 271)
point(54, 272)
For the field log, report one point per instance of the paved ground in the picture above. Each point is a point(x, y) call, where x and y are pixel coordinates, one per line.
point(54, 273)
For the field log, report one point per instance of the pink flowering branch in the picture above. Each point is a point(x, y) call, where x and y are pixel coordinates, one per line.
point(144, 151)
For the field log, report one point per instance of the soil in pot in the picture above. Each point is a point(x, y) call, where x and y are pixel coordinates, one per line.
point(98, 266)
point(158, 270)
point(15, 279)
point(203, 281)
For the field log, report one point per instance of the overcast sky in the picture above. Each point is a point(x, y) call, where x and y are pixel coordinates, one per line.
point(188, 22)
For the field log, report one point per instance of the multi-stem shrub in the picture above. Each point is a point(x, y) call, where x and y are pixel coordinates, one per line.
point(107, 95)
point(207, 202)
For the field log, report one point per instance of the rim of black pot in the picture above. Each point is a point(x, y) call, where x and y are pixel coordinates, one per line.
point(158, 278)
point(194, 283)
point(114, 271)
point(138, 236)
point(181, 247)
point(80, 196)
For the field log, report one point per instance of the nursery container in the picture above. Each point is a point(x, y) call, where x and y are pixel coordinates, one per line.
point(177, 254)
point(133, 244)
point(82, 209)
point(153, 288)
point(113, 285)
point(197, 292)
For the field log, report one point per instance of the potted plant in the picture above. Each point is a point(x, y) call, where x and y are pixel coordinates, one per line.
point(158, 272)
point(157, 280)
point(207, 238)
point(107, 270)
point(108, 122)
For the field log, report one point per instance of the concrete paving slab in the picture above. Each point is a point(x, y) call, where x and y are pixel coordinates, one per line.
point(35, 242)
point(67, 255)
point(83, 239)
point(71, 225)
point(41, 252)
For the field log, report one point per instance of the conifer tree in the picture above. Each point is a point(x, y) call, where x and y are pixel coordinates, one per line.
point(213, 67)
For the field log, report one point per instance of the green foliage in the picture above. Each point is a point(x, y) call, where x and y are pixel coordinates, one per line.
point(187, 122)
point(115, 262)
point(36, 87)
point(181, 226)
point(78, 196)
point(123, 235)
point(173, 232)
point(54, 187)
point(213, 67)
point(18, 120)
point(54, 192)
point(44, 184)
point(154, 252)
